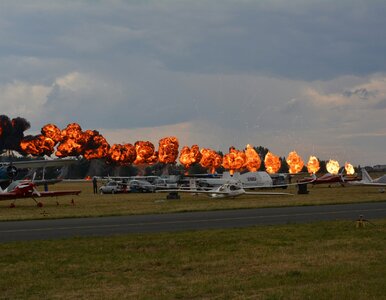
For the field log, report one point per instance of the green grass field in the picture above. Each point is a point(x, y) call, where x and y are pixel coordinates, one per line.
point(88, 204)
point(325, 260)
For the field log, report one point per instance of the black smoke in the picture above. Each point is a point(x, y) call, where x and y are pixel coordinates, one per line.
point(12, 132)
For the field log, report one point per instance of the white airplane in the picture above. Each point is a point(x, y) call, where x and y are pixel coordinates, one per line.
point(226, 190)
point(368, 181)
point(253, 180)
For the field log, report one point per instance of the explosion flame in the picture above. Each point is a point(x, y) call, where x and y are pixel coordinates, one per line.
point(122, 154)
point(349, 168)
point(72, 141)
point(90, 144)
point(234, 160)
point(53, 132)
point(145, 153)
point(272, 163)
point(96, 145)
point(294, 162)
point(37, 145)
point(253, 161)
point(189, 156)
point(313, 165)
point(332, 167)
point(168, 150)
point(210, 159)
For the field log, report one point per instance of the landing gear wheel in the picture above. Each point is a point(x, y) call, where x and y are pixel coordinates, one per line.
point(12, 205)
point(39, 204)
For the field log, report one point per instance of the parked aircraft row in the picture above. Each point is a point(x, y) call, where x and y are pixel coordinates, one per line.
point(230, 189)
point(219, 186)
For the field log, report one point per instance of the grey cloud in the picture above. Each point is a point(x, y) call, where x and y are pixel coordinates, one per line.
point(362, 93)
point(317, 43)
point(381, 104)
point(234, 64)
point(292, 105)
point(304, 39)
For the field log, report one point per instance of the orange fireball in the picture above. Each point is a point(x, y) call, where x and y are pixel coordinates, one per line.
point(253, 160)
point(38, 145)
point(53, 132)
point(189, 156)
point(145, 153)
point(122, 154)
point(210, 159)
point(72, 131)
point(332, 167)
point(272, 163)
point(168, 150)
point(349, 168)
point(313, 165)
point(294, 162)
point(234, 160)
point(72, 143)
point(95, 146)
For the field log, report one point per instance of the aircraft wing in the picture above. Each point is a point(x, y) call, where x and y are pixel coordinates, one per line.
point(273, 186)
point(46, 181)
point(11, 195)
point(192, 191)
point(42, 163)
point(58, 193)
point(267, 193)
point(374, 184)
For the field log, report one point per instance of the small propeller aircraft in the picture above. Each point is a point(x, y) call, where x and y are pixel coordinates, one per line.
point(27, 189)
point(226, 190)
point(328, 179)
point(368, 181)
point(9, 171)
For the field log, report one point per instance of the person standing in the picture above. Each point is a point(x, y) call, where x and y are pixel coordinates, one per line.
point(95, 185)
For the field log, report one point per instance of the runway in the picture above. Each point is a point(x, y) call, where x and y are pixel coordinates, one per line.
point(106, 226)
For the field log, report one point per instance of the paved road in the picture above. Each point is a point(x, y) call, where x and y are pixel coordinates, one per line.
point(104, 226)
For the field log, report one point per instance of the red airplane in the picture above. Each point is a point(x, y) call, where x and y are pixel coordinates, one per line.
point(27, 189)
point(328, 179)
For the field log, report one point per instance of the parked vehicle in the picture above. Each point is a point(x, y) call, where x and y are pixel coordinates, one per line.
point(141, 186)
point(114, 187)
point(162, 183)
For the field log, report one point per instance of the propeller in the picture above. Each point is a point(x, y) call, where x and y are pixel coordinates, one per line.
point(342, 175)
point(34, 186)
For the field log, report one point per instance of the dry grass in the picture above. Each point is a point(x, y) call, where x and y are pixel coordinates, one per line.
point(322, 260)
point(88, 204)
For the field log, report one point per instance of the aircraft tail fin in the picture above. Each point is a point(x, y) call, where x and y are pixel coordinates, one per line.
point(365, 176)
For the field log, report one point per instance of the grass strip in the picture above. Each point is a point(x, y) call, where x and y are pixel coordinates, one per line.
point(324, 260)
point(91, 205)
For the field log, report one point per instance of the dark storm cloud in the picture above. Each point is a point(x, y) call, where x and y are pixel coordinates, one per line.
point(298, 39)
point(233, 64)
point(306, 40)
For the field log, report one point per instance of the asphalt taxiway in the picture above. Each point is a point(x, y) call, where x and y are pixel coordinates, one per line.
point(105, 226)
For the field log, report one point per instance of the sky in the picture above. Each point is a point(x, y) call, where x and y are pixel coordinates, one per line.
point(302, 75)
